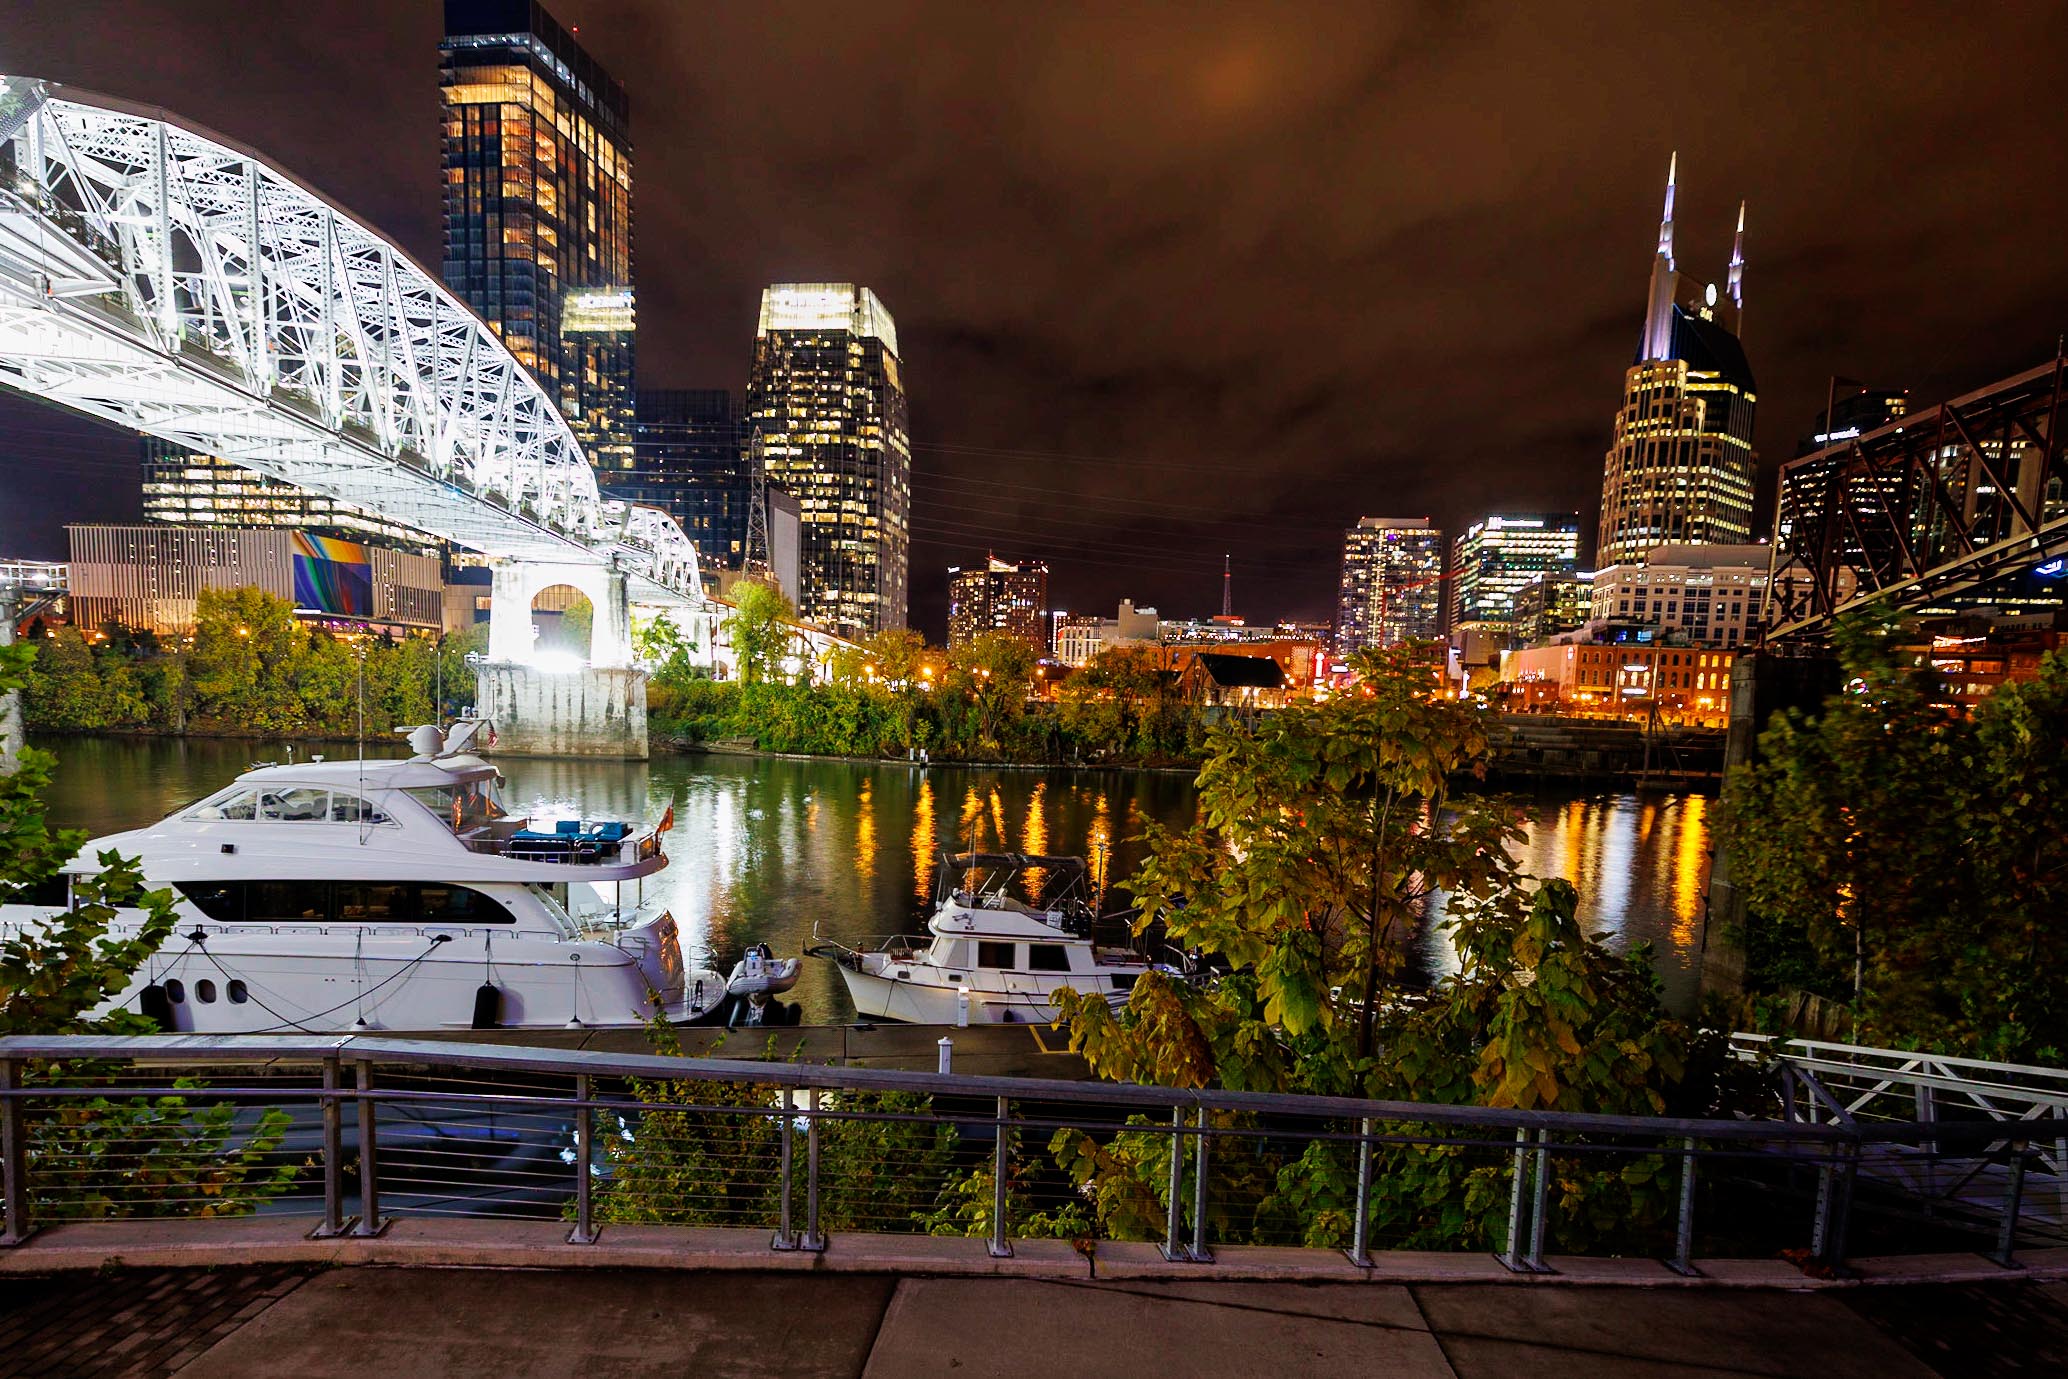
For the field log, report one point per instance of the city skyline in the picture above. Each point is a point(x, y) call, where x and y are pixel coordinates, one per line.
point(1111, 419)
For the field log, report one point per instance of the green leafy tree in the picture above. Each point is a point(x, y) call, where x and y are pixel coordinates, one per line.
point(1910, 861)
point(1324, 832)
point(993, 672)
point(102, 1156)
point(759, 629)
point(65, 693)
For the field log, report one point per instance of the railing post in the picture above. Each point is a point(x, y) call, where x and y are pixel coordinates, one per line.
point(786, 1235)
point(1511, 1252)
point(812, 1239)
point(14, 1155)
point(334, 1223)
point(1834, 1208)
point(2013, 1203)
point(1539, 1193)
point(1200, 1254)
point(1682, 1262)
point(370, 1222)
point(1360, 1242)
point(1001, 1248)
point(1172, 1249)
point(584, 1232)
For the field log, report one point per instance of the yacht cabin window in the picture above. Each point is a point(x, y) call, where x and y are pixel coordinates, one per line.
point(343, 902)
point(306, 804)
point(995, 955)
point(468, 805)
point(1048, 957)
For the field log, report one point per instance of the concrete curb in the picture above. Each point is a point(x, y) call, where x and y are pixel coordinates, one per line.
point(475, 1243)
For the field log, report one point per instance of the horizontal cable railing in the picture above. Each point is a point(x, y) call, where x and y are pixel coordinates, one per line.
point(355, 1130)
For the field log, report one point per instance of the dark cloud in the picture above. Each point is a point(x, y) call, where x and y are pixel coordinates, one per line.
point(1179, 279)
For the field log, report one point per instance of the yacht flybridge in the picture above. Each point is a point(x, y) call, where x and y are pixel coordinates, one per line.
point(989, 953)
point(336, 896)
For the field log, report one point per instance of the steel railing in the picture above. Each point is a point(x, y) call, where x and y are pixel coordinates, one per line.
point(1822, 1082)
point(397, 1126)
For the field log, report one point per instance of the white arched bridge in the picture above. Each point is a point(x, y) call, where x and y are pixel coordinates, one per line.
point(164, 278)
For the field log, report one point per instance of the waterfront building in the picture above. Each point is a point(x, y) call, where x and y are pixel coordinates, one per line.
point(827, 423)
point(1621, 679)
point(184, 489)
point(999, 596)
point(1082, 636)
point(1391, 584)
point(150, 577)
point(538, 210)
point(1680, 466)
point(690, 461)
point(1495, 557)
point(1713, 595)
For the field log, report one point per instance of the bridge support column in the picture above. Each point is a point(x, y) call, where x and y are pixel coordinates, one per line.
point(593, 710)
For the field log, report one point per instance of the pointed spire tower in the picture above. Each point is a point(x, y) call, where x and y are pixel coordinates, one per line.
point(1737, 277)
point(1658, 315)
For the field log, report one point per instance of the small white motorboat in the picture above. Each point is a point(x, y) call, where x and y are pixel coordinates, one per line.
point(991, 957)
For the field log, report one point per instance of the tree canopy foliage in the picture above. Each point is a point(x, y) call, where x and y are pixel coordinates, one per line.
point(102, 1156)
point(1911, 861)
point(250, 667)
point(1324, 835)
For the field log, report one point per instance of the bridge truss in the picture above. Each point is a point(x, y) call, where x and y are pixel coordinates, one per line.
point(169, 280)
point(1939, 504)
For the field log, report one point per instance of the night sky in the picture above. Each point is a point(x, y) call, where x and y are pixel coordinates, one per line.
point(1178, 279)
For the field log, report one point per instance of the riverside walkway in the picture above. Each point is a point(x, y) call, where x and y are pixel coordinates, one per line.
point(288, 1321)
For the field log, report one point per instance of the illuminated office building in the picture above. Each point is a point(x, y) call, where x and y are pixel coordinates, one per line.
point(999, 596)
point(1680, 468)
point(1497, 556)
point(1391, 589)
point(185, 489)
point(826, 423)
point(538, 210)
point(690, 461)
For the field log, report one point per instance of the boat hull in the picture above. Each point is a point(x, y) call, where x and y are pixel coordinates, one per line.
point(886, 997)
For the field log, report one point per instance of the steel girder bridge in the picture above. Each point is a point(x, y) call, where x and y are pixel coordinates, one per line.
point(167, 279)
point(1943, 503)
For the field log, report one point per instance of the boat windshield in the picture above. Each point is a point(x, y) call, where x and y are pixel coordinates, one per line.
point(468, 805)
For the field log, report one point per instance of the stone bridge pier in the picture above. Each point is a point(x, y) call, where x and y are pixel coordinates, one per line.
point(594, 709)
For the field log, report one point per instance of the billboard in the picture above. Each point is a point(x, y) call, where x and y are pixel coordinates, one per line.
point(332, 576)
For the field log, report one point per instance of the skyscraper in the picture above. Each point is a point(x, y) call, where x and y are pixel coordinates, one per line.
point(826, 423)
point(1500, 554)
point(185, 489)
point(689, 460)
point(999, 596)
point(1391, 589)
point(1680, 467)
point(538, 209)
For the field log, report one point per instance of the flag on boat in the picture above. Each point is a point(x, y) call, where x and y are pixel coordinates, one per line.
point(667, 820)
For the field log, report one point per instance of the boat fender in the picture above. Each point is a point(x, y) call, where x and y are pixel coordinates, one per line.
point(154, 1005)
point(488, 1006)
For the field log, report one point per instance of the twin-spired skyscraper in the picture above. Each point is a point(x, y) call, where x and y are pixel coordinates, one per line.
point(1680, 467)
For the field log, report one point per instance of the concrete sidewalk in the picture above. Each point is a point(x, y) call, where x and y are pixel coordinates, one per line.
point(296, 1322)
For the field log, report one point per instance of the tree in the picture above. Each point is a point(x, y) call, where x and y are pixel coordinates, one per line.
point(995, 670)
point(759, 629)
point(65, 693)
point(1324, 833)
point(1910, 861)
point(102, 1156)
point(247, 649)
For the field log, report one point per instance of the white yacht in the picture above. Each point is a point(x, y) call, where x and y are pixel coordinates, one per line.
point(987, 951)
point(344, 896)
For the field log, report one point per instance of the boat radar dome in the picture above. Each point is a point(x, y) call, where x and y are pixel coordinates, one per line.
point(426, 741)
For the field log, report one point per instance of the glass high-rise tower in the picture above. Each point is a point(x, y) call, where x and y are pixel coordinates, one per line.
point(538, 209)
point(1391, 590)
point(1680, 468)
point(1500, 554)
point(690, 462)
point(827, 424)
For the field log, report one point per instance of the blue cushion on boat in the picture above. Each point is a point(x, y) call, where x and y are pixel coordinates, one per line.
point(568, 826)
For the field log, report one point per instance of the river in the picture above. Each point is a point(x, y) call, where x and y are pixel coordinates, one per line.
point(764, 849)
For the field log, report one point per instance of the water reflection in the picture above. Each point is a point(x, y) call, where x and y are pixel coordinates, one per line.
point(766, 849)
